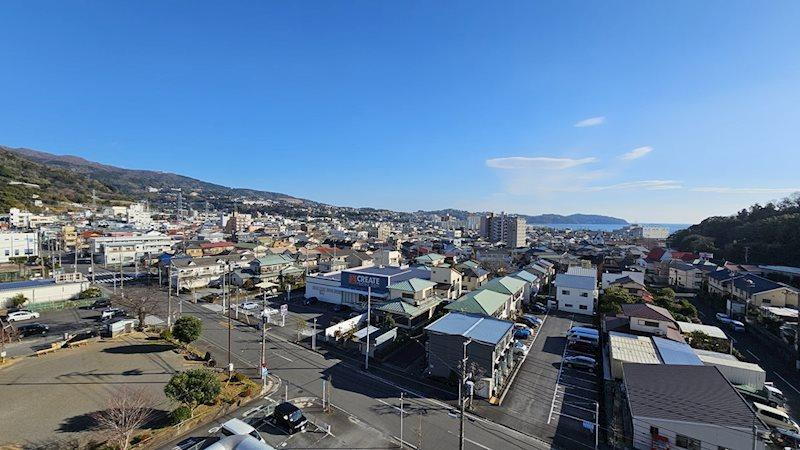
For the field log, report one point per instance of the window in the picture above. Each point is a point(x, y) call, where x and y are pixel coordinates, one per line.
point(583, 307)
point(564, 292)
point(653, 431)
point(585, 294)
point(567, 306)
point(766, 300)
point(687, 442)
point(649, 323)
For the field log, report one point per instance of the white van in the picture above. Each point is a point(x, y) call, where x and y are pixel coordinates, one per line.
point(775, 418)
point(584, 330)
point(579, 336)
point(237, 427)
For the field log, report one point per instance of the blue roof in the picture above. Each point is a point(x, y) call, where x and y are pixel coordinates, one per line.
point(474, 326)
point(676, 353)
point(576, 281)
point(25, 284)
point(754, 284)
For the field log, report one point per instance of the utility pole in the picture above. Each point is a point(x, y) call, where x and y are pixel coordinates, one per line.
point(460, 394)
point(402, 444)
point(169, 293)
point(263, 352)
point(230, 365)
point(91, 269)
point(369, 324)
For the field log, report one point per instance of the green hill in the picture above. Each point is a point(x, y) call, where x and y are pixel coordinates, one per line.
point(54, 184)
point(769, 234)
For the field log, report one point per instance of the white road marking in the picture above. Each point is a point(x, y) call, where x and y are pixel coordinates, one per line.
point(753, 355)
point(784, 380)
point(466, 439)
point(558, 378)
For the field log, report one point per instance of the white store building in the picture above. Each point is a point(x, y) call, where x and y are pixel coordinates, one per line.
point(16, 244)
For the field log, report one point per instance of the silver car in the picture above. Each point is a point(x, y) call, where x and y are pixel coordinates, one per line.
point(581, 362)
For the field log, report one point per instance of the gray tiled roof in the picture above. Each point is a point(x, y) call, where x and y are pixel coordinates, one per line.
point(699, 394)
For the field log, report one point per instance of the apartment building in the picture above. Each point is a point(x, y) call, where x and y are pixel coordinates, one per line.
point(18, 244)
point(127, 249)
point(576, 290)
point(503, 228)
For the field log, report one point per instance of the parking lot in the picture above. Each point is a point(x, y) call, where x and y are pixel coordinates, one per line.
point(60, 321)
point(547, 400)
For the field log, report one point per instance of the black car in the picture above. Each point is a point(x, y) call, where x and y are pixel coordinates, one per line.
point(33, 329)
point(100, 304)
point(290, 417)
point(310, 301)
point(582, 347)
point(340, 308)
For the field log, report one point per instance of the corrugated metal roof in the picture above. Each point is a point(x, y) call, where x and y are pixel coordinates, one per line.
point(630, 348)
point(716, 361)
point(12, 285)
point(576, 281)
point(672, 352)
point(476, 327)
point(710, 330)
point(480, 302)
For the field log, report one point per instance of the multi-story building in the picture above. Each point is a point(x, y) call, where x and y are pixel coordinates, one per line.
point(15, 244)
point(576, 290)
point(25, 219)
point(138, 215)
point(503, 228)
point(69, 237)
point(127, 249)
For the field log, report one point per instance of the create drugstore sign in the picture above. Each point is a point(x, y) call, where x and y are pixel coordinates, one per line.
point(362, 280)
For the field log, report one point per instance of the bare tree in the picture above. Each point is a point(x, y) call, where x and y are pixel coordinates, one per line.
point(139, 301)
point(126, 411)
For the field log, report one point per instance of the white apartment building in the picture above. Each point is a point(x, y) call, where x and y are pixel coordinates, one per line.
point(17, 244)
point(24, 219)
point(576, 290)
point(127, 249)
point(138, 215)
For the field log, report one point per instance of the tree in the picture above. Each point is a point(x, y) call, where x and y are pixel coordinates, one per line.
point(19, 300)
point(702, 341)
point(140, 301)
point(302, 325)
point(619, 296)
point(92, 292)
point(19, 261)
point(126, 411)
point(193, 387)
point(187, 329)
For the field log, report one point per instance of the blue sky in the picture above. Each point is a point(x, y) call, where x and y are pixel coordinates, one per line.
point(689, 108)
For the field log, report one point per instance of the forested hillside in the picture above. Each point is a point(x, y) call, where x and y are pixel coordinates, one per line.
point(770, 234)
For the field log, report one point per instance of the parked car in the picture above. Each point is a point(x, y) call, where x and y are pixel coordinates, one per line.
point(522, 334)
point(23, 314)
point(238, 427)
point(722, 317)
point(521, 326)
point(340, 308)
point(310, 301)
point(249, 305)
point(582, 347)
point(580, 362)
point(520, 348)
point(100, 304)
point(111, 313)
point(735, 325)
point(539, 308)
point(775, 418)
point(532, 320)
point(33, 329)
point(290, 417)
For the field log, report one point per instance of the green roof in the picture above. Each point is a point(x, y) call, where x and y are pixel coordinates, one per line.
point(470, 263)
point(505, 285)
point(429, 257)
point(481, 301)
point(413, 285)
point(527, 276)
point(402, 308)
point(271, 260)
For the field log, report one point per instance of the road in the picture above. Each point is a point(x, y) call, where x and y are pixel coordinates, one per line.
point(370, 397)
point(785, 377)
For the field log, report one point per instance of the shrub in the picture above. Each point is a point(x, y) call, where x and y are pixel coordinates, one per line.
point(193, 387)
point(247, 392)
point(180, 414)
point(166, 334)
point(187, 329)
point(18, 300)
point(92, 292)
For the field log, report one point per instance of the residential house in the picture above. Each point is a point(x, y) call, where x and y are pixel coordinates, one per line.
point(607, 278)
point(515, 287)
point(577, 291)
point(704, 413)
point(760, 291)
point(270, 266)
point(652, 320)
point(472, 275)
point(532, 284)
point(412, 289)
point(633, 287)
point(430, 259)
point(484, 301)
point(448, 281)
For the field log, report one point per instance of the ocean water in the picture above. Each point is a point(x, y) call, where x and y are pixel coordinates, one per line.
point(672, 227)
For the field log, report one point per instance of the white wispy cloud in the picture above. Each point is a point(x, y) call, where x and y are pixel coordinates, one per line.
point(590, 122)
point(537, 162)
point(732, 190)
point(636, 153)
point(648, 185)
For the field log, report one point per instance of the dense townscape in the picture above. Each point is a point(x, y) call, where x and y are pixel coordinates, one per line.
point(382, 330)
